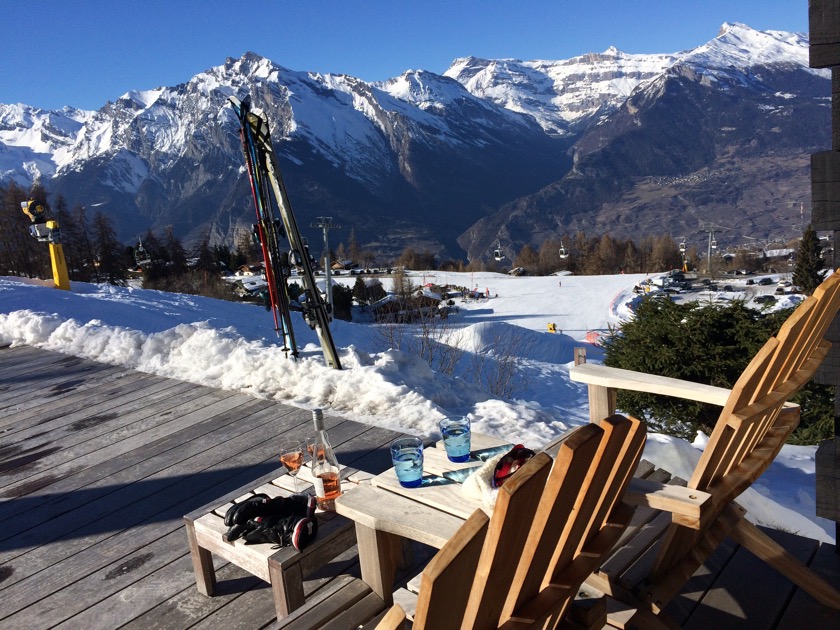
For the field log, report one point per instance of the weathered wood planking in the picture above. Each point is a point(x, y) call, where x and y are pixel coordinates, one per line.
point(56, 398)
point(38, 377)
point(94, 535)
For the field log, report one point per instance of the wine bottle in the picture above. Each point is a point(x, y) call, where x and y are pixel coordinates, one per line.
point(325, 469)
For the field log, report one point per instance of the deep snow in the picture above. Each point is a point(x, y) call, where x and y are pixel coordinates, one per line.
point(233, 346)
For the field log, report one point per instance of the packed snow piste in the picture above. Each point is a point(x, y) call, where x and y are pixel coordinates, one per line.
point(269, 192)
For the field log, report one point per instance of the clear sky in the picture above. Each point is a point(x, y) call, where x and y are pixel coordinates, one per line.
point(85, 52)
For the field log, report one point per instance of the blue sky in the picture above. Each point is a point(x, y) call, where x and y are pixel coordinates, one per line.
point(86, 52)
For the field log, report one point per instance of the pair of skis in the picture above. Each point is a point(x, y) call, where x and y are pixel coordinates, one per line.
point(267, 185)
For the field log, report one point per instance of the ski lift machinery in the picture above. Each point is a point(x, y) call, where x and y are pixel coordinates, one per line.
point(497, 253)
point(562, 252)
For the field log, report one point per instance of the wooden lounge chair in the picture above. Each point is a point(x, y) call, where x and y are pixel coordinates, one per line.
point(658, 555)
point(551, 525)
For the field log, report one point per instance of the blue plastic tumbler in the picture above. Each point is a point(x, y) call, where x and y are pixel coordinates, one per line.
point(456, 437)
point(407, 456)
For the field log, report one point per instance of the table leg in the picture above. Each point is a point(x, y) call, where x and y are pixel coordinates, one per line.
point(202, 560)
point(379, 555)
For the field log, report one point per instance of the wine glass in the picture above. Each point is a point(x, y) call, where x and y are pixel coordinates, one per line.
point(291, 456)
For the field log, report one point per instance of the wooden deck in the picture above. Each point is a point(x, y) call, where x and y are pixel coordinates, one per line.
point(98, 465)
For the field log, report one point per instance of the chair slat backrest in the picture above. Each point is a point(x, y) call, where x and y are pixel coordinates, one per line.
point(745, 428)
point(444, 591)
point(584, 502)
point(547, 517)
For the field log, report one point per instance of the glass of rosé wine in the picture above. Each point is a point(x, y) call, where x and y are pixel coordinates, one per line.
point(291, 456)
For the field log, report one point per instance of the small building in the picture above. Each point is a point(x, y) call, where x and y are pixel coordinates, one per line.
point(394, 309)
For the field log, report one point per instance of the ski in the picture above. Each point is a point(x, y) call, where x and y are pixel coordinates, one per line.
point(267, 183)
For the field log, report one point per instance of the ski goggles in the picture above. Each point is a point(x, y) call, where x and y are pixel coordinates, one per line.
point(510, 463)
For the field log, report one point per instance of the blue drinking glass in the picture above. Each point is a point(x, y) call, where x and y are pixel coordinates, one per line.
point(407, 456)
point(456, 437)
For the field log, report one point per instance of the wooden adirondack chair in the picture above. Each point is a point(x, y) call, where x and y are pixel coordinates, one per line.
point(523, 566)
point(657, 556)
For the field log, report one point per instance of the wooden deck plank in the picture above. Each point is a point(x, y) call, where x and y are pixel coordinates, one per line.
point(92, 551)
point(33, 377)
point(84, 554)
point(736, 601)
point(112, 400)
point(136, 440)
point(54, 495)
point(34, 409)
point(92, 517)
point(804, 609)
point(187, 606)
point(683, 605)
point(69, 444)
point(22, 358)
point(79, 491)
point(59, 436)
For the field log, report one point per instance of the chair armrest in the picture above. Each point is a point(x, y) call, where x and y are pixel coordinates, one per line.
point(688, 506)
point(617, 378)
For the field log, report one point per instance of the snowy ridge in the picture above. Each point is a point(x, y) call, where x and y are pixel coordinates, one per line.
point(559, 93)
point(740, 46)
point(34, 140)
point(565, 93)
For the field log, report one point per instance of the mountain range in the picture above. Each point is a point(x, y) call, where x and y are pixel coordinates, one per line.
point(491, 154)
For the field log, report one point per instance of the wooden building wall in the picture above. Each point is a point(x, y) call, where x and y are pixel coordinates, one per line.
point(824, 28)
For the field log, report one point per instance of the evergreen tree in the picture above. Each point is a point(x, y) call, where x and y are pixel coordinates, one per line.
point(342, 302)
point(608, 255)
point(808, 272)
point(157, 267)
point(375, 290)
point(630, 263)
point(176, 252)
point(360, 291)
point(20, 253)
point(87, 255)
point(109, 251)
point(205, 261)
point(710, 345)
point(665, 254)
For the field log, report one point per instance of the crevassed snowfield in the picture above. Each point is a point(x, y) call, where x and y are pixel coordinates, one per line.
point(233, 346)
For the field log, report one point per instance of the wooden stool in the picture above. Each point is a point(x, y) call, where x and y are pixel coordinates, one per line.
point(283, 568)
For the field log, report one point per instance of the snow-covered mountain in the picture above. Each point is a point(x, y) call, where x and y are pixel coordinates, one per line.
point(430, 156)
point(722, 136)
point(566, 95)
